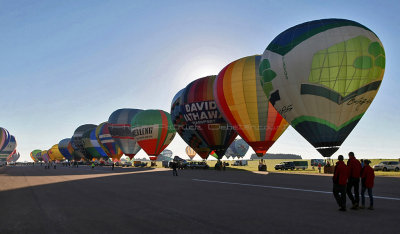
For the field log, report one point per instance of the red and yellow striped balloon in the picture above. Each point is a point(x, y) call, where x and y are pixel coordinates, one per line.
point(240, 98)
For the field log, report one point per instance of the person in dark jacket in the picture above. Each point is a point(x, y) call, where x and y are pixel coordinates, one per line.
point(174, 171)
point(339, 183)
point(354, 167)
point(367, 183)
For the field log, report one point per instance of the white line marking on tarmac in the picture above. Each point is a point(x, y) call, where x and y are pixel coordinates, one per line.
point(285, 188)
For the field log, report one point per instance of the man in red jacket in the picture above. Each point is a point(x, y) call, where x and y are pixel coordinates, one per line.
point(339, 183)
point(354, 167)
point(367, 182)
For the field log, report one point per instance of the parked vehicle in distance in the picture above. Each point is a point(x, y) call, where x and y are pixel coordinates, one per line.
point(315, 162)
point(300, 165)
point(240, 163)
point(285, 166)
point(166, 164)
point(126, 164)
point(108, 163)
point(387, 166)
point(197, 165)
point(139, 164)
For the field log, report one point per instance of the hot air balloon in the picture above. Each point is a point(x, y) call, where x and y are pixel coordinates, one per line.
point(9, 157)
point(92, 146)
point(215, 155)
point(107, 143)
point(321, 76)
point(66, 149)
point(44, 155)
point(55, 154)
point(8, 148)
point(120, 130)
point(166, 153)
point(202, 115)
point(189, 135)
point(77, 142)
point(33, 155)
point(4, 138)
point(15, 156)
point(39, 156)
point(153, 131)
point(190, 152)
point(238, 148)
point(241, 100)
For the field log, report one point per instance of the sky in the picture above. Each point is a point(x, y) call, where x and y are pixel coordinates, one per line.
point(68, 63)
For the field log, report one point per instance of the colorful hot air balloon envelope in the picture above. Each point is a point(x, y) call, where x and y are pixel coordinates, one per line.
point(77, 142)
point(120, 130)
point(44, 155)
point(36, 154)
point(190, 152)
point(65, 148)
point(92, 146)
point(107, 143)
point(166, 153)
point(188, 134)
point(153, 131)
point(240, 98)
point(33, 155)
point(202, 115)
point(13, 157)
point(238, 148)
point(322, 76)
point(55, 154)
point(16, 156)
point(4, 138)
point(215, 155)
point(9, 157)
point(8, 148)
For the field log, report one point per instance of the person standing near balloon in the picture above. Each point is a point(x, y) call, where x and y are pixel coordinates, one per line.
point(339, 183)
point(367, 183)
point(354, 167)
point(174, 171)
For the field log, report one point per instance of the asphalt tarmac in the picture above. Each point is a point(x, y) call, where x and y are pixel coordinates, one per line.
point(82, 200)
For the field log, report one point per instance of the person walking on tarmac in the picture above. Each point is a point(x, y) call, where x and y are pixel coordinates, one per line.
point(339, 183)
point(112, 167)
point(174, 171)
point(92, 165)
point(367, 183)
point(354, 167)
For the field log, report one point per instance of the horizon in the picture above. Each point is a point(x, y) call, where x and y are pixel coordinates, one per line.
point(65, 64)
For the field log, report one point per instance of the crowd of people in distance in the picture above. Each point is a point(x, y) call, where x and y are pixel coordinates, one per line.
point(48, 165)
point(346, 178)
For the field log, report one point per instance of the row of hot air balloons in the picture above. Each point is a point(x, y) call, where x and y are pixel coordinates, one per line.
point(8, 147)
point(319, 77)
point(126, 132)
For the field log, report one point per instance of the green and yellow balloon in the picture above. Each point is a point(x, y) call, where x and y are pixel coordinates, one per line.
point(321, 76)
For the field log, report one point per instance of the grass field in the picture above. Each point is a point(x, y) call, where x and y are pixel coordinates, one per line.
point(253, 166)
